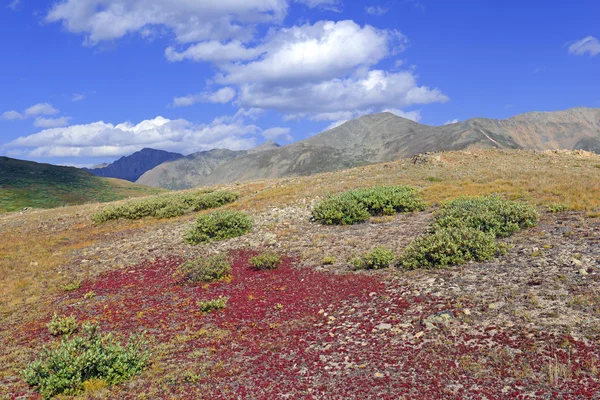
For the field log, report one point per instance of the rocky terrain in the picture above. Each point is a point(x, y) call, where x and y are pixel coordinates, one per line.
point(135, 165)
point(523, 325)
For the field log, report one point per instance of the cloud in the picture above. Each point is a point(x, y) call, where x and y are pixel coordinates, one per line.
point(190, 21)
point(42, 122)
point(12, 115)
point(213, 51)
point(222, 96)
point(14, 5)
point(33, 111)
point(314, 52)
point(105, 139)
point(376, 10)
point(453, 121)
point(41, 109)
point(588, 44)
point(78, 97)
point(342, 98)
point(278, 132)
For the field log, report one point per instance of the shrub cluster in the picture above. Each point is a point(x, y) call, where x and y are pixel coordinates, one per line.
point(212, 305)
point(358, 205)
point(490, 214)
point(203, 269)
point(266, 261)
point(449, 246)
point(219, 225)
point(67, 368)
point(59, 326)
point(378, 258)
point(166, 206)
point(466, 229)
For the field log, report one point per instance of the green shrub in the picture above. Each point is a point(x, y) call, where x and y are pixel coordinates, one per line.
point(266, 261)
point(329, 260)
point(207, 269)
point(340, 210)
point(71, 286)
point(389, 200)
point(166, 206)
point(488, 214)
point(557, 207)
point(77, 360)
point(212, 305)
point(449, 246)
point(219, 225)
point(358, 205)
point(59, 326)
point(378, 258)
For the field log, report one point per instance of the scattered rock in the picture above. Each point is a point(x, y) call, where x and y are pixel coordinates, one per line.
point(443, 318)
point(383, 326)
point(497, 305)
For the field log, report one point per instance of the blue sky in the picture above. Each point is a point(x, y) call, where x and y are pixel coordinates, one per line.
point(87, 81)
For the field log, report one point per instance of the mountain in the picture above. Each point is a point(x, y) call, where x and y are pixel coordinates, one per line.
point(30, 184)
point(385, 137)
point(189, 171)
point(133, 166)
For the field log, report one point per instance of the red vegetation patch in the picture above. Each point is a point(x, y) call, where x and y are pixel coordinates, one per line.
point(299, 333)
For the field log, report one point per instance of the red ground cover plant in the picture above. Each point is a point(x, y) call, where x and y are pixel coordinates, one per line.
point(298, 333)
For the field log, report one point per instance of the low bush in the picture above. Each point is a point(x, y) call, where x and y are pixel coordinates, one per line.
point(59, 326)
point(205, 269)
point(340, 210)
point(378, 258)
point(389, 200)
point(212, 305)
point(71, 286)
point(449, 246)
point(266, 261)
point(358, 205)
point(166, 206)
point(219, 225)
point(488, 214)
point(67, 368)
point(557, 207)
point(329, 260)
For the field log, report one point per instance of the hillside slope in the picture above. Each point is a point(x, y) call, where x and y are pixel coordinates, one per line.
point(189, 171)
point(30, 184)
point(385, 137)
point(133, 166)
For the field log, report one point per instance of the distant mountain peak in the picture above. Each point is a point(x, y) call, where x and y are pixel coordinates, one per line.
point(135, 165)
point(268, 145)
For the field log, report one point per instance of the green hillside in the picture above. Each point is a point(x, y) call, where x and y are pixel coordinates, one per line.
point(31, 184)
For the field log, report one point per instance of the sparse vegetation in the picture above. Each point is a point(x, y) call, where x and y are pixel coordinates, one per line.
point(358, 205)
point(329, 260)
point(66, 368)
point(71, 286)
point(205, 269)
point(219, 225)
point(212, 305)
point(266, 261)
point(166, 206)
point(60, 326)
point(378, 258)
point(557, 207)
point(449, 246)
point(488, 214)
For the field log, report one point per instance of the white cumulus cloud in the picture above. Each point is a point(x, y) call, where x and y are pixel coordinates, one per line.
point(376, 10)
point(31, 112)
point(221, 96)
point(42, 122)
point(589, 44)
point(452, 121)
point(106, 139)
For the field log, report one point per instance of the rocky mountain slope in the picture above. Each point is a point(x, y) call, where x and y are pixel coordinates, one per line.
point(189, 171)
point(132, 167)
point(385, 137)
